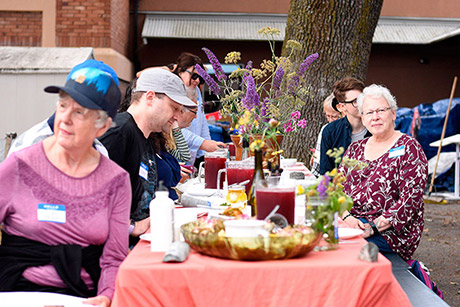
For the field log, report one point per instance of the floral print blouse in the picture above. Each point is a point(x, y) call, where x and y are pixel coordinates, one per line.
point(392, 186)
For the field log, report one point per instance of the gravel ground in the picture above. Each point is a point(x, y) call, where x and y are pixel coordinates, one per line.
point(439, 249)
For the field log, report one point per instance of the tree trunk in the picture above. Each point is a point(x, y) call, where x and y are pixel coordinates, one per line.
point(341, 32)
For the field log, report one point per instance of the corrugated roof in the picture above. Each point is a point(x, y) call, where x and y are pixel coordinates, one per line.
point(42, 60)
point(231, 26)
point(210, 26)
point(399, 30)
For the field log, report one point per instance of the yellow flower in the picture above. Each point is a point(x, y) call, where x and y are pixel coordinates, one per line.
point(257, 145)
point(238, 73)
point(341, 199)
point(268, 65)
point(294, 45)
point(233, 57)
point(266, 31)
point(258, 73)
point(245, 119)
point(299, 189)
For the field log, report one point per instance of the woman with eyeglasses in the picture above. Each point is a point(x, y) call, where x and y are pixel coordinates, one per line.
point(387, 188)
point(197, 134)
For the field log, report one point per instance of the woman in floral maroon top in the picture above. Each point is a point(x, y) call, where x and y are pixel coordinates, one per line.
point(388, 193)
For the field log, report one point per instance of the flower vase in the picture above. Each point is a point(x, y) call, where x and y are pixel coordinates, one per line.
point(236, 139)
point(271, 146)
point(322, 218)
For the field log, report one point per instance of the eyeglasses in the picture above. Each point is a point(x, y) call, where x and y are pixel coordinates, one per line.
point(195, 76)
point(377, 111)
point(353, 102)
point(193, 111)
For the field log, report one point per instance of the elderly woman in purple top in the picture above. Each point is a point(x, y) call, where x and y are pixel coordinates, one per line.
point(388, 192)
point(64, 206)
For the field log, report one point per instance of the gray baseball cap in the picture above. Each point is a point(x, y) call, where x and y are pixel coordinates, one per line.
point(162, 81)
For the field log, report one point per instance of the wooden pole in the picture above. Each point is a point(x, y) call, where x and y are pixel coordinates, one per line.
point(442, 134)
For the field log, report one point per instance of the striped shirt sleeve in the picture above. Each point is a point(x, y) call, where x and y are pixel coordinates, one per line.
point(182, 152)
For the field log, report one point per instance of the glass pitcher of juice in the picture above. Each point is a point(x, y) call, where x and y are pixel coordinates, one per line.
point(213, 162)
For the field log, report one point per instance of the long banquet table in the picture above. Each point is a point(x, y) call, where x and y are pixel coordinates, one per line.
point(327, 278)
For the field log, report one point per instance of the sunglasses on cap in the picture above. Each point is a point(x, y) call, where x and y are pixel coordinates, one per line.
point(195, 76)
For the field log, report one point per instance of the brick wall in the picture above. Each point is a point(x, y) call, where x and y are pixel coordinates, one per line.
point(20, 28)
point(120, 26)
point(83, 23)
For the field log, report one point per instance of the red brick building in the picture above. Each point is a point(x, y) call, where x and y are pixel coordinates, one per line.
point(100, 24)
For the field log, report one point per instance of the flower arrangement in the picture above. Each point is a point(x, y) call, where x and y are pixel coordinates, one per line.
point(262, 101)
point(329, 189)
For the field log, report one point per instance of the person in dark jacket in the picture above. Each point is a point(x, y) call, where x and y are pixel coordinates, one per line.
point(344, 131)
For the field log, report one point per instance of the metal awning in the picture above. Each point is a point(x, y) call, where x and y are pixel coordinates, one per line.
point(238, 26)
point(212, 26)
point(41, 59)
point(405, 30)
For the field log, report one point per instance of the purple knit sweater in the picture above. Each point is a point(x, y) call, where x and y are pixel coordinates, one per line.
point(96, 211)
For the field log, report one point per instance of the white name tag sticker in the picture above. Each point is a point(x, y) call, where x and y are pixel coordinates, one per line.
point(51, 213)
point(143, 170)
point(396, 152)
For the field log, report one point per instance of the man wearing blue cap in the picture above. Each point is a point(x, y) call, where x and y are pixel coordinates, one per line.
point(156, 104)
point(45, 128)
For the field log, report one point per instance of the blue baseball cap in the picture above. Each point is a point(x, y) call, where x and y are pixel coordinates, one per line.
point(93, 85)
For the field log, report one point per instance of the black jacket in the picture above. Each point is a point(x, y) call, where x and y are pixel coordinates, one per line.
point(335, 135)
point(18, 253)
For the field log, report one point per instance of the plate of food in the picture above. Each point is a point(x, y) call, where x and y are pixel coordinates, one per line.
point(348, 233)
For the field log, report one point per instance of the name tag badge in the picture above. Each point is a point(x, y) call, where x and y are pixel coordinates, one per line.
point(51, 213)
point(143, 170)
point(396, 152)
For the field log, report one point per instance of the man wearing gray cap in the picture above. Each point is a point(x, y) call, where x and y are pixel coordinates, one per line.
point(155, 105)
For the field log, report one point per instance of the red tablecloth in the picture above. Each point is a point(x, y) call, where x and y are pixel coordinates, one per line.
point(328, 278)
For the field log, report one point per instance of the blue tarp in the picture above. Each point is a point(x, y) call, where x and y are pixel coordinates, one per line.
point(432, 121)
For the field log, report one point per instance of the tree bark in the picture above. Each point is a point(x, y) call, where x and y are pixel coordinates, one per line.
point(341, 32)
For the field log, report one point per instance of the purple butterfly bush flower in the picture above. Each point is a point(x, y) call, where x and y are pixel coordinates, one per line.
point(209, 80)
point(220, 74)
point(251, 99)
point(278, 78)
point(249, 65)
point(264, 109)
point(295, 115)
point(303, 67)
point(293, 84)
point(323, 185)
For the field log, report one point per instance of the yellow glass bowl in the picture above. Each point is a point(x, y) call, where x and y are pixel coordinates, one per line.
point(274, 247)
